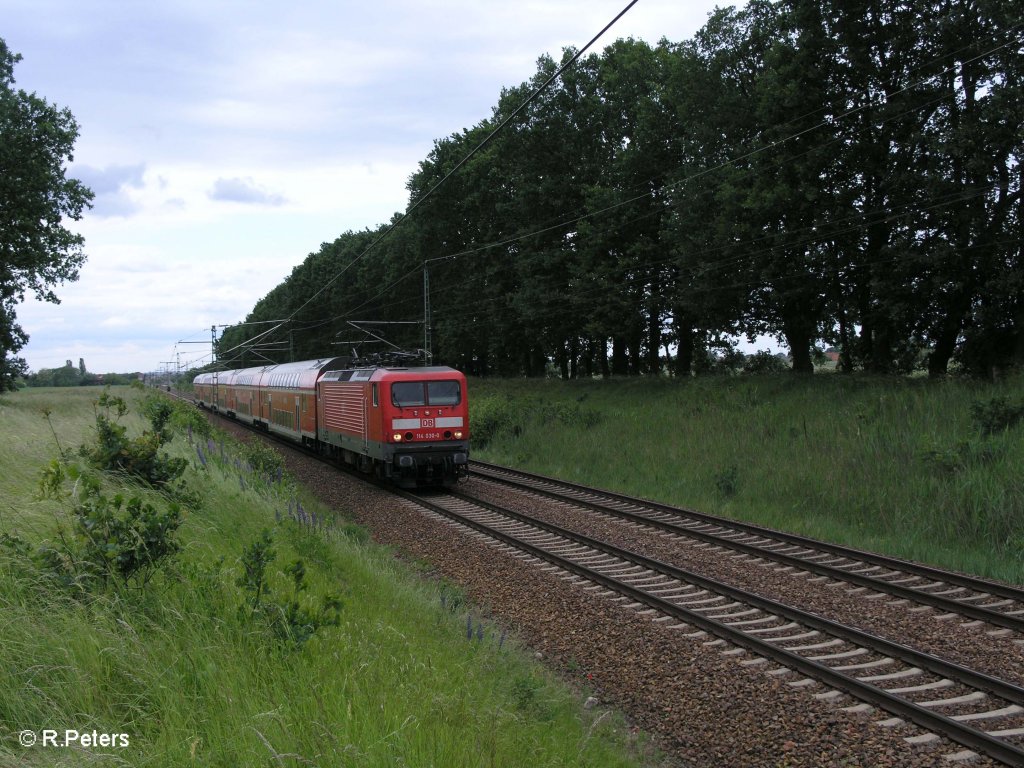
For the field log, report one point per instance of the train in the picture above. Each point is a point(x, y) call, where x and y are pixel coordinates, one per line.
point(407, 425)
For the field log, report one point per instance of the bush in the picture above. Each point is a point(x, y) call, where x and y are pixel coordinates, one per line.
point(490, 417)
point(764, 362)
point(966, 454)
point(191, 421)
point(263, 459)
point(291, 620)
point(996, 415)
point(727, 481)
point(123, 539)
point(159, 410)
point(139, 457)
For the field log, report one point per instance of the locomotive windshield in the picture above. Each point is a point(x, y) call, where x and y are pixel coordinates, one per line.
point(406, 394)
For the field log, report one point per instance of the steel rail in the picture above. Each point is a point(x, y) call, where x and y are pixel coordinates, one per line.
point(965, 735)
point(997, 687)
point(955, 579)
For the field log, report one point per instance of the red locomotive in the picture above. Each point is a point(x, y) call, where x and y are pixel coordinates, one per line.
point(410, 425)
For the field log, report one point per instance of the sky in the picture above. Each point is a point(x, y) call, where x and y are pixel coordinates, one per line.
point(226, 141)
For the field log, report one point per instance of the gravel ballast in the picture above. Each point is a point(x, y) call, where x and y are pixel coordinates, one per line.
point(705, 707)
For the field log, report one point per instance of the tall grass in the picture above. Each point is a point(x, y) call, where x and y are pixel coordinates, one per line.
point(184, 670)
point(902, 466)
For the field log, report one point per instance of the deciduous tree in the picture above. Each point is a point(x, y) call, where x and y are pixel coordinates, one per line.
point(36, 250)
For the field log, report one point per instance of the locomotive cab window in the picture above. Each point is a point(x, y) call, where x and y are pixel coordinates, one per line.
point(408, 394)
point(443, 392)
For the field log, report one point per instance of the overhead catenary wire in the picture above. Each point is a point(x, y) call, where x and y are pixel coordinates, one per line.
point(575, 219)
point(487, 140)
point(596, 214)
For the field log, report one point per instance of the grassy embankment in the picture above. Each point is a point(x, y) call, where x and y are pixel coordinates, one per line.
point(924, 470)
point(194, 676)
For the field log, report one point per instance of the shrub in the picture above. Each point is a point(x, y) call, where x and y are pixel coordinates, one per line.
point(490, 417)
point(727, 481)
point(996, 415)
point(764, 362)
point(965, 454)
point(291, 620)
point(139, 457)
point(255, 559)
point(263, 459)
point(190, 420)
point(159, 410)
point(118, 538)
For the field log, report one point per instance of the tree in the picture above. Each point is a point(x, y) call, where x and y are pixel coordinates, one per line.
point(36, 250)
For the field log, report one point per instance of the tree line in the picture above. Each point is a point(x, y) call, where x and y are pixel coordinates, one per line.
point(71, 376)
point(820, 172)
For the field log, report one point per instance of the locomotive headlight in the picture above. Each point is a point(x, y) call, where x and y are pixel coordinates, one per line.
point(458, 434)
point(397, 437)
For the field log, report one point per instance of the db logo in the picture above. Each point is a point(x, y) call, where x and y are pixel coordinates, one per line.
point(427, 424)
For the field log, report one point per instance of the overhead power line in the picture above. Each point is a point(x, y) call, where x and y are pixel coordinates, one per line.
point(490, 137)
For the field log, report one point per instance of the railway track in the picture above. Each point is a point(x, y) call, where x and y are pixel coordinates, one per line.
point(983, 714)
point(952, 594)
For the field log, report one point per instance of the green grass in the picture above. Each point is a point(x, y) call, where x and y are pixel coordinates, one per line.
point(183, 670)
point(896, 465)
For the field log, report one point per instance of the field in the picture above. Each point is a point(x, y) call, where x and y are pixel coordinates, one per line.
point(924, 470)
point(194, 665)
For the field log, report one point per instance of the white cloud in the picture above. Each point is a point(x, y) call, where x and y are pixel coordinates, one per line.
point(226, 141)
